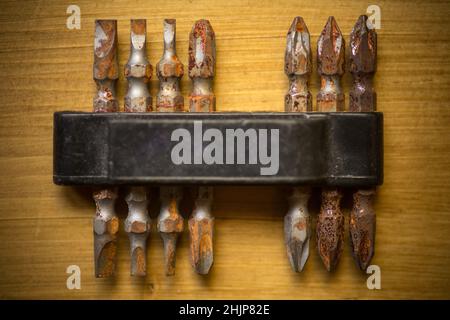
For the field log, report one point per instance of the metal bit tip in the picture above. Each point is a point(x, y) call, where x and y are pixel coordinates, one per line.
point(331, 49)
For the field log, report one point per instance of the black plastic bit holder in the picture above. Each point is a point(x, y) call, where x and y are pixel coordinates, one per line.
point(340, 149)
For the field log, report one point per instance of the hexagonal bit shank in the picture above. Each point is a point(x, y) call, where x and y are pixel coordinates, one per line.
point(330, 228)
point(297, 230)
point(202, 59)
point(106, 67)
point(362, 227)
point(137, 226)
point(106, 226)
point(330, 63)
point(169, 70)
point(363, 63)
point(138, 70)
point(201, 227)
point(297, 66)
point(170, 224)
point(105, 74)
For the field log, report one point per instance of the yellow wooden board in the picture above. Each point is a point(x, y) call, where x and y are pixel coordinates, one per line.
point(44, 228)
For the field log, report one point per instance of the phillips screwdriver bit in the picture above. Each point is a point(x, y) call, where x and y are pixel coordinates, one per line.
point(201, 228)
point(297, 229)
point(363, 63)
point(330, 60)
point(170, 225)
point(169, 70)
point(106, 73)
point(297, 66)
point(138, 72)
point(202, 59)
point(169, 99)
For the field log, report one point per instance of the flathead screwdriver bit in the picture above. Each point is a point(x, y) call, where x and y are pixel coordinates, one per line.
point(105, 73)
point(298, 65)
point(363, 63)
point(330, 60)
point(202, 60)
point(138, 72)
point(169, 70)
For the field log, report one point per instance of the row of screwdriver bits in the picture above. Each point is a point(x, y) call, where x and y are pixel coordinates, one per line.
point(298, 67)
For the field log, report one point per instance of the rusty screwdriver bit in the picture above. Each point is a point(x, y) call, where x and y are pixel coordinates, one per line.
point(201, 227)
point(297, 229)
point(105, 73)
point(363, 63)
point(170, 225)
point(202, 60)
point(169, 70)
point(330, 60)
point(138, 70)
point(330, 63)
point(297, 66)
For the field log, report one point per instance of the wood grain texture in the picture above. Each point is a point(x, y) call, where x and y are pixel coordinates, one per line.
point(44, 228)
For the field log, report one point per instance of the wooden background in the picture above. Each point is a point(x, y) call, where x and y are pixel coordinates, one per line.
point(44, 228)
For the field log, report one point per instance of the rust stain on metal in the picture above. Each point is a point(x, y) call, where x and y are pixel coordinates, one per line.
point(330, 228)
point(139, 256)
point(297, 66)
point(330, 65)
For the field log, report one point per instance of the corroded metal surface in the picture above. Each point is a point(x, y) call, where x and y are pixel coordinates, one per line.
point(297, 229)
point(105, 74)
point(170, 225)
point(106, 226)
point(137, 226)
point(330, 63)
point(106, 67)
point(330, 229)
point(362, 227)
point(297, 66)
point(202, 60)
point(169, 70)
point(363, 64)
point(201, 229)
point(138, 70)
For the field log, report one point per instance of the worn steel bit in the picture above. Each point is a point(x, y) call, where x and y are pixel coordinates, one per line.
point(363, 63)
point(330, 57)
point(297, 229)
point(169, 99)
point(170, 225)
point(105, 73)
point(138, 72)
point(297, 66)
point(169, 70)
point(202, 59)
point(201, 228)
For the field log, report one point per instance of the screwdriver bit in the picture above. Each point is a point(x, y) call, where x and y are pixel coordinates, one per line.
point(297, 229)
point(105, 74)
point(363, 63)
point(138, 72)
point(202, 60)
point(201, 228)
point(169, 70)
point(297, 66)
point(170, 225)
point(330, 62)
